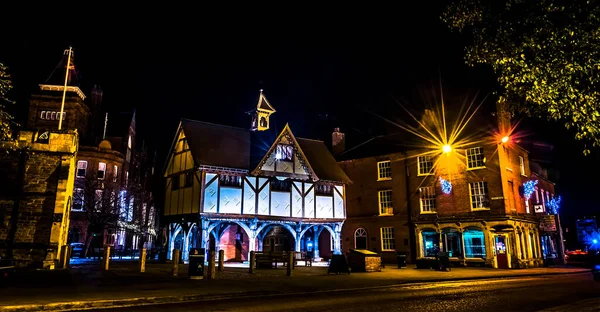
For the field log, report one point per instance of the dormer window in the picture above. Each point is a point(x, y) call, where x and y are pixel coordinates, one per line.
point(284, 152)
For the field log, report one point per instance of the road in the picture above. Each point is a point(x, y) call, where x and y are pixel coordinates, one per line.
point(577, 292)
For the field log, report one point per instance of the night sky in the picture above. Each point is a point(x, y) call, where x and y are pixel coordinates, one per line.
point(319, 70)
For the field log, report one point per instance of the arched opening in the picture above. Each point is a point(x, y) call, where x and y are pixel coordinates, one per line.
point(451, 242)
point(474, 241)
point(360, 238)
point(277, 239)
point(232, 238)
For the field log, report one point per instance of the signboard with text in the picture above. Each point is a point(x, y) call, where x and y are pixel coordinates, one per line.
point(548, 223)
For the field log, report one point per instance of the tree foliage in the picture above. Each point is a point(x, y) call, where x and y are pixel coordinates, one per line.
point(545, 53)
point(6, 119)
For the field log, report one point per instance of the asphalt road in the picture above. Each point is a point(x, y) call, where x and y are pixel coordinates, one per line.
point(577, 292)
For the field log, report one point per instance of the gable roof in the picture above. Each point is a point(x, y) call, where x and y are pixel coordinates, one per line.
point(321, 161)
point(263, 103)
point(232, 147)
point(217, 145)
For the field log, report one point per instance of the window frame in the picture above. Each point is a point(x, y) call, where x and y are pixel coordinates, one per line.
point(427, 159)
point(115, 173)
point(483, 185)
point(84, 169)
point(366, 236)
point(430, 198)
point(381, 169)
point(387, 208)
point(99, 170)
point(390, 237)
point(474, 156)
point(522, 165)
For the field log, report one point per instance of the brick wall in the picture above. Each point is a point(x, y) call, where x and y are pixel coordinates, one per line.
point(35, 213)
point(77, 113)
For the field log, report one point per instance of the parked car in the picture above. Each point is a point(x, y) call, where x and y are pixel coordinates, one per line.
point(78, 250)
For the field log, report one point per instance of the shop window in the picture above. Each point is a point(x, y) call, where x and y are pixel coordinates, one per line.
point(451, 243)
point(431, 242)
point(474, 244)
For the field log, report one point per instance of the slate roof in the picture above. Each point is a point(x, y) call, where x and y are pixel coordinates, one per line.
point(231, 147)
point(322, 161)
point(377, 146)
point(218, 145)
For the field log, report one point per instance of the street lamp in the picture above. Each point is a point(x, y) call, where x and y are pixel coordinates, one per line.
point(446, 148)
point(505, 139)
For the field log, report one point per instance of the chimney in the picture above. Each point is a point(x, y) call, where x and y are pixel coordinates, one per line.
point(338, 142)
point(504, 116)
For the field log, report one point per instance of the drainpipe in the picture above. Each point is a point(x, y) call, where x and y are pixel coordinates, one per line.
point(411, 226)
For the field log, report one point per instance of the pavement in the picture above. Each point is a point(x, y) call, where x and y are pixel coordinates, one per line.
point(87, 287)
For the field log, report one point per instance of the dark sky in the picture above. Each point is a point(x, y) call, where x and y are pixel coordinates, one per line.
point(319, 70)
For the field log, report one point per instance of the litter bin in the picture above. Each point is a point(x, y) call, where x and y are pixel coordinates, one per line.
point(196, 263)
point(401, 258)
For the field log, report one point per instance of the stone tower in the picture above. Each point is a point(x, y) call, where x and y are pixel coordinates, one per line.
point(45, 104)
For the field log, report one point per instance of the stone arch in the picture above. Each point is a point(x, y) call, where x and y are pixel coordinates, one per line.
point(176, 228)
point(260, 229)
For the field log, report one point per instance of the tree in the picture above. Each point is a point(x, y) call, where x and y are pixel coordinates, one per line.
point(545, 53)
point(6, 119)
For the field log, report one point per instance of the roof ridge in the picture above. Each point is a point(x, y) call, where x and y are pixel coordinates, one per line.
point(214, 124)
point(301, 138)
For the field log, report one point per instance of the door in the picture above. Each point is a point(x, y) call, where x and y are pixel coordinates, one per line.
point(501, 255)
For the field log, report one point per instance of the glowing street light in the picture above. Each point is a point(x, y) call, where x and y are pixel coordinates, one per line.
point(446, 148)
point(505, 139)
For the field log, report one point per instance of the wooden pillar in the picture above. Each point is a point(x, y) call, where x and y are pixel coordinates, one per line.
point(176, 256)
point(106, 259)
point(221, 260)
point(252, 262)
point(290, 264)
point(210, 274)
point(143, 260)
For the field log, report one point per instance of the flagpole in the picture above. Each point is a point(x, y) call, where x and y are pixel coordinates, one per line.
point(105, 124)
point(62, 105)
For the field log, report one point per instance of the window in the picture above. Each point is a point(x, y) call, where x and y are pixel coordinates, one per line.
point(522, 165)
point(385, 203)
point(474, 244)
point(324, 189)
point(100, 200)
point(360, 238)
point(115, 173)
point(384, 170)
point(43, 115)
point(425, 165)
point(189, 179)
point(284, 152)
point(81, 167)
point(387, 239)
point(175, 182)
point(101, 170)
point(479, 195)
point(427, 199)
point(129, 142)
point(526, 205)
point(78, 199)
point(475, 158)
point(52, 115)
point(126, 178)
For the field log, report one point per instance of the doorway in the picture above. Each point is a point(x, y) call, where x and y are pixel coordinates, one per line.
point(501, 254)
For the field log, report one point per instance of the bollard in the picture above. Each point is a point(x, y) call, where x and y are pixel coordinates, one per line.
point(176, 255)
point(221, 260)
point(290, 264)
point(106, 259)
point(252, 262)
point(210, 274)
point(143, 260)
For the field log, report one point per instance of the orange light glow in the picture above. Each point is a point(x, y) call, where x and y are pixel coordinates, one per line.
point(505, 139)
point(446, 148)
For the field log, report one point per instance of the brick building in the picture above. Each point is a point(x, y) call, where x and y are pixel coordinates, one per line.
point(107, 151)
point(38, 176)
point(468, 202)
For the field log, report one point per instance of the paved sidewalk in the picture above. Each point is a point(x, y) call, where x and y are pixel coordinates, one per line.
point(87, 286)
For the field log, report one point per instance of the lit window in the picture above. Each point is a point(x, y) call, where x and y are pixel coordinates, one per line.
point(101, 170)
point(526, 205)
point(126, 178)
point(43, 115)
point(81, 167)
point(129, 142)
point(64, 115)
point(388, 241)
point(115, 173)
point(427, 199)
point(425, 165)
point(479, 195)
point(385, 203)
point(475, 158)
point(522, 165)
point(384, 170)
point(53, 116)
point(99, 200)
point(284, 152)
point(78, 199)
